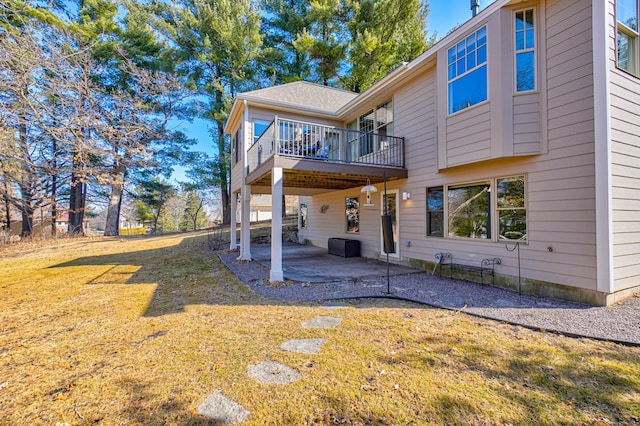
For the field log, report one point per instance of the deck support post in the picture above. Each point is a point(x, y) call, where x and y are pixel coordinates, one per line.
point(233, 223)
point(276, 273)
point(245, 226)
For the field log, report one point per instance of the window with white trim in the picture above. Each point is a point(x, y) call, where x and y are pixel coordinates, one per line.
point(525, 51)
point(235, 143)
point(435, 211)
point(379, 121)
point(627, 35)
point(511, 207)
point(352, 205)
point(467, 72)
point(303, 215)
point(259, 126)
point(469, 210)
point(492, 209)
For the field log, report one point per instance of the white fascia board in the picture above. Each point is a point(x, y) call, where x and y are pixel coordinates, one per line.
point(236, 109)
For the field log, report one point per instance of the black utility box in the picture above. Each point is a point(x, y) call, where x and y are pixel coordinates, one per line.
point(344, 247)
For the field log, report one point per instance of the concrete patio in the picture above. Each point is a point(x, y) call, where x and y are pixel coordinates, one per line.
point(307, 263)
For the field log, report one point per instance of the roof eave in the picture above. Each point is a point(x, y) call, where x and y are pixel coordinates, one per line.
point(231, 119)
point(287, 106)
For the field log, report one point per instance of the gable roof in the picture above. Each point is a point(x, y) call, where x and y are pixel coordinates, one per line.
point(302, 94)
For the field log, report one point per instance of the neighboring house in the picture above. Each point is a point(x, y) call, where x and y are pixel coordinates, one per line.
point(43, 226)
point(261, 207)
point(522, 125)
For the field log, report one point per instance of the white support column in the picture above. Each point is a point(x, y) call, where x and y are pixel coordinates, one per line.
point(245, 226)
point(276, 273)
point(245, 196)
point(233, 236)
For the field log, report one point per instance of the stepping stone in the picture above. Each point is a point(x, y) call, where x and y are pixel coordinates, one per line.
point(303, 346)
point(273, 372)
point(223, 410)
point(322, 322)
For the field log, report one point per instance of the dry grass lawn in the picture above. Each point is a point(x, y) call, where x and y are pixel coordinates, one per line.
point(142, 330)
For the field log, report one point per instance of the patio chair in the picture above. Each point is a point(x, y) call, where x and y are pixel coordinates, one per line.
point(324, 152)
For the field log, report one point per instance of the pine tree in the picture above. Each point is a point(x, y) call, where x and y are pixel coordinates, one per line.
point(219, 42)
point(284, 20)
point(326, 38)
point(384, 34)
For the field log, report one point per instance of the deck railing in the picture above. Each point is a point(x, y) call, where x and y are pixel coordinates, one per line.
point(314, 141)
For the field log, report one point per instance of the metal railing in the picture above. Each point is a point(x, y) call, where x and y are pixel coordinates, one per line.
point(300, 139)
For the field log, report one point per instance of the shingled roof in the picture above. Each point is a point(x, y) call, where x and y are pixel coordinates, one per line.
point(303, 94)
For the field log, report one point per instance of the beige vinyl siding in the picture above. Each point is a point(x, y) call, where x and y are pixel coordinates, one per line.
point(527, 132)
point(560, 183)
point(236, 169)
point(625, 168)
point(556, 154)
point(332, 223)
point(469, 135)
point(415, 107)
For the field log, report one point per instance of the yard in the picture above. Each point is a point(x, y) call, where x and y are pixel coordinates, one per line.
point(141, 330)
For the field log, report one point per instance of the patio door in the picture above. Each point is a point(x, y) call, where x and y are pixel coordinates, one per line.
point(392, 209)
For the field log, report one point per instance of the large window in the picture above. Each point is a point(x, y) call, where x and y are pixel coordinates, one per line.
point(467, 71)
point(512, 212)
point(525, 50)
point(475, 210)
point(627, 35)
point(469, 209)
point(435, 212)
point(353, 214)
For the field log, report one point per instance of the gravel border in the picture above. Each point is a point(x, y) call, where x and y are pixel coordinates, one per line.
point(619, 323)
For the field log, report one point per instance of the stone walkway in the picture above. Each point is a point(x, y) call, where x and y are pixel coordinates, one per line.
point(224, 410)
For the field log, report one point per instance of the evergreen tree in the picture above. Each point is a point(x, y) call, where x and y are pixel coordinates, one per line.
point(283, 21)
point(219, 42)
point(194, 216)
point(152, 197)
point(326, 39)
point(384, 34)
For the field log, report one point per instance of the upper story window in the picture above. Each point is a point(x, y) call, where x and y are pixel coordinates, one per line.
point(259, 126)
point(627, 35)
point(235, 143)
point(378, 123)
point(467, 71)
point(525, 50)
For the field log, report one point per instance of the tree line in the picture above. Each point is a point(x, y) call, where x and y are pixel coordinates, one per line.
point(90, 90)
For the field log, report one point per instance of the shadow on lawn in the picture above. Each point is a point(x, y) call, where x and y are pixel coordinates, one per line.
point(525, 386)
point(140, 409)
point(592, 386)
point(183, 274)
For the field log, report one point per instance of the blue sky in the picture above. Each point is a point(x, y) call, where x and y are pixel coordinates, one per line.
point(446, 14)
point(443, 15)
